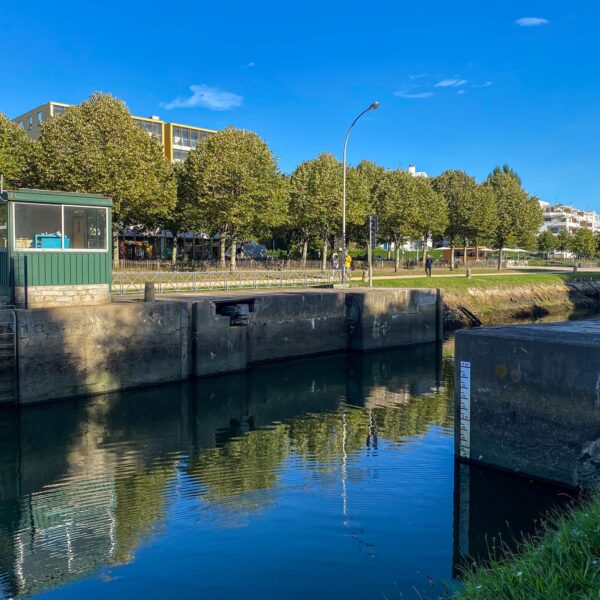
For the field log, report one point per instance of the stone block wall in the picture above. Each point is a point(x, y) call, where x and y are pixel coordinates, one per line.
point(50, 296)
point(65, 352)
point(530, 401)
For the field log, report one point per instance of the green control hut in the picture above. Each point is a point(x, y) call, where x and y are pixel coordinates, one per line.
point(55, 248)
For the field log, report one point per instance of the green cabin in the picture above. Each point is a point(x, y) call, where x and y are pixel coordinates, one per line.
point(55, 248)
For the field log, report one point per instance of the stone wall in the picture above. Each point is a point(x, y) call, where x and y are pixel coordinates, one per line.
point(66, 352)
point(531, 400)
point(49, 296)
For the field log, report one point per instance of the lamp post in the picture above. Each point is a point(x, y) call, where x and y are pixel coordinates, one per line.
point(373, 106)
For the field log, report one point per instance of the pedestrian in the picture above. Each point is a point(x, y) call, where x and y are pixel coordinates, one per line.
point(428, 265)
point(335, 261)
point(348, 265)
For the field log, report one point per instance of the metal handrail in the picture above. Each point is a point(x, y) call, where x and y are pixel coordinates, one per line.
point(194, 281)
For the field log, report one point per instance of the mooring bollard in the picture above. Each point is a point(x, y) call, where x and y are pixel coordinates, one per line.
point(149, 293)
point(469, 274)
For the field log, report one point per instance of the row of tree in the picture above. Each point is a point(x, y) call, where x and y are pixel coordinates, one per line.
point(230, 185)
point(583, 243)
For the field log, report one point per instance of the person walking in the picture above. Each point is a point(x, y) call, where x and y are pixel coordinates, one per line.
point(348, 266)
point(428, 265)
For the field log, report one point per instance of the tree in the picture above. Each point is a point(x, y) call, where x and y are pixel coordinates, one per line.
point(316, 201)
point(95, 147)
point(396, 205)
point(460, 193)
point(546, 243)
point(430, 217)
point(519, 215)
point(583, 243)
point(563, 241)
point(15, 147)
point(230, 185)
point(507, 171)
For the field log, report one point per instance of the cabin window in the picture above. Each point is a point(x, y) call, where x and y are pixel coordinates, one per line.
point(56, 227)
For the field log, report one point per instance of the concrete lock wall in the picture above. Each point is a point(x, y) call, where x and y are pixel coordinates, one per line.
point(65, 352)
point(528, 400)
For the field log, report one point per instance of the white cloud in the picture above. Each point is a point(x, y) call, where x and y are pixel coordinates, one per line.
point(485, 84)
point(206, 97)
point(249, 65)
point(460, 92)
point(413, 95)
point(531, 21)
point(450, 83)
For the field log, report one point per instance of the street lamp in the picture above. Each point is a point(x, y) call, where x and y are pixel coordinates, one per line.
point(373, 106)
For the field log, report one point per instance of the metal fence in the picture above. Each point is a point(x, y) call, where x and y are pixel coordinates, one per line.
point(172, 281)
point(244, 264)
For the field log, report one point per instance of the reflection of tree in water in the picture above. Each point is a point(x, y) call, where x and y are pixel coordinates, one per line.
point(253, 462)
point(241, 466)
point(140, 503)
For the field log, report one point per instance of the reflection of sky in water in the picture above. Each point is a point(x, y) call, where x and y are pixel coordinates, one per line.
point(323, 477)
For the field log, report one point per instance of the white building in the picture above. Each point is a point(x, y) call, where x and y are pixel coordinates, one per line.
point(413, 171)
point(558, 217)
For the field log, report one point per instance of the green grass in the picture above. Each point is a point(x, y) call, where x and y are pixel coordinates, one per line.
point(563, 564)
point(488, 281)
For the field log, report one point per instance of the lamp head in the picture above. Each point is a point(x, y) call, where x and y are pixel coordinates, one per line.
point(374, 106)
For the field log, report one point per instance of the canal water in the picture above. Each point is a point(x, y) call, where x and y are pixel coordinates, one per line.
point(328, 477)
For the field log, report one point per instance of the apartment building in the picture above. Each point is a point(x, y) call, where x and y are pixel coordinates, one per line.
point(559, 217)
point(175, 138)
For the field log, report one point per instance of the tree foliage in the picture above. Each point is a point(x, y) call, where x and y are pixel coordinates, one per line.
point(14, 150)
point(583, 243)
point(546, 242)
point(519, 215)
point(230, 185)
point(95, 147)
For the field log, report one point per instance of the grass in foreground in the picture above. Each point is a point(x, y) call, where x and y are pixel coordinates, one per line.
point(488, 281)
point(563, 564)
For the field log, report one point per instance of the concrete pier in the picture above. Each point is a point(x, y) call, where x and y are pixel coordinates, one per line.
point(66, 352)
point(528, 400)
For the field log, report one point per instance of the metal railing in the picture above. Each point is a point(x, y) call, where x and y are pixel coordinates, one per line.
point(197, 281)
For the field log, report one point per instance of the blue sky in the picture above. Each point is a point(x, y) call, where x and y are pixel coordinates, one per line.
point(466, 84)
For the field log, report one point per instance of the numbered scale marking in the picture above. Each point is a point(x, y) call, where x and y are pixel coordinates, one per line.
point(465, 409)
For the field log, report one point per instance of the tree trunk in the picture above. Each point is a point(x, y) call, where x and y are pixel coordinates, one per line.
point(452, 257)
point(397, 256)
point(115, 246)
point(324, 256)
point(233, 261)
point(499, 259)
point(425, 238)
point(174, 251)
point(222, 250)
point(304, 253)
point(476, 253)
point(465, 253)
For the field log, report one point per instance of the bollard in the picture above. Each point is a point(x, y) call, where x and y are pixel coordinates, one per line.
point(575, 268)
point(149, 295)
point(469, 273)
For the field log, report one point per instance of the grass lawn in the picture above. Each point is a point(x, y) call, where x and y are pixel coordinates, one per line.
point(489, 281)
point(564, 563)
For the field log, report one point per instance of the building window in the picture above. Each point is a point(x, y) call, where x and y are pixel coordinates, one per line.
point(40, 117)
point(21, 125)
point(30, 121)
point(152, 128)
point(58, 110)
point(38, 226)
point(179, 155)
point(85, 228)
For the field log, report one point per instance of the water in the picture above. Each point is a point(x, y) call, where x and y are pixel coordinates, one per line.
point(327, 477)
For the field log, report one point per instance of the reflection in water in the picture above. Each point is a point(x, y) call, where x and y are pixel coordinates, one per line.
point(326, 476)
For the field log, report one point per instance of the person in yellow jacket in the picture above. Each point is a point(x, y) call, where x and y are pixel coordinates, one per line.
point(348, 265)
